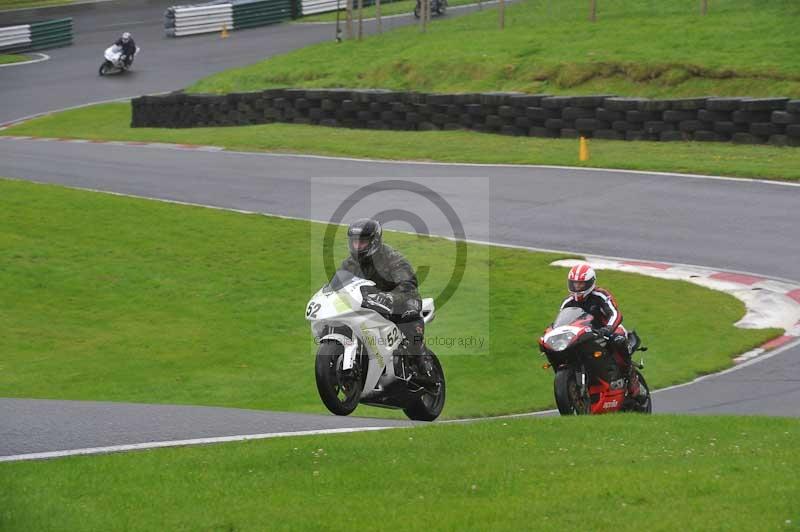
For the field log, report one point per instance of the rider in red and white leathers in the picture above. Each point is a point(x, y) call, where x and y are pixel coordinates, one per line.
point(600, 303)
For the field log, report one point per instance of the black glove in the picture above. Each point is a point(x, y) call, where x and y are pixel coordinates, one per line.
point(379, 301)
point(604, 331)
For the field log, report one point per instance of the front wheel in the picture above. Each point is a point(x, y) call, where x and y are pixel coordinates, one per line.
point(569, 398)
point(429, 404)
point(339, 389)
point(104, 68)
point(442, 7)
point(416, 10)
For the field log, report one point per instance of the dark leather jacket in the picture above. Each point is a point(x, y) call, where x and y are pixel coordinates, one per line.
point(128, 48)
point(391, 272)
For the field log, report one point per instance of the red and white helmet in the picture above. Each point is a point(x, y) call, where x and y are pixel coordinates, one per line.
point(581, 281)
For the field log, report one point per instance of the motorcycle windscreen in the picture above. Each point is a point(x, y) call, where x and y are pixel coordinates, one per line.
point(339, 280)
point(569, 315)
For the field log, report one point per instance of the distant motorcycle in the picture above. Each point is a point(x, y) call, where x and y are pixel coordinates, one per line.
point(587, 377)
point(437, 6)
point(115, 61)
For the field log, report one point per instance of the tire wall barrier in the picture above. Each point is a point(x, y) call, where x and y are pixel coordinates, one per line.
point(36, 36)
point(739, 120)
point(181, 21)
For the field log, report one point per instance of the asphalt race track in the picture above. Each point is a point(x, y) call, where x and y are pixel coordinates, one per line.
point(164, 64)
point(728, 224)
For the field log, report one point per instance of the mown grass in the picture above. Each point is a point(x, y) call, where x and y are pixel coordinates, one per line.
point(605, 473)
point(111, 122)
point(6, 59)
point(640, 48)
point(24, 4)
point(112, 298)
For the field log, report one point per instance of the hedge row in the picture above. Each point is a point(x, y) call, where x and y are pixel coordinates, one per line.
point(740, 120)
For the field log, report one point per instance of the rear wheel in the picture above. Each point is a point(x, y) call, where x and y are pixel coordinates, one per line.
point(429, 404)
point(442, 7)
point(568, 394)
point(647, 406)
point(339, 389)
point(416, 10)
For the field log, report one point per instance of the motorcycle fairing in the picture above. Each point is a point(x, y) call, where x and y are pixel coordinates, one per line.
point(379, 335)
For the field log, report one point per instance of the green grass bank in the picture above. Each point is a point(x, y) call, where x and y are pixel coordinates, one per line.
point(7, 59)
point(121, 299)
point(638, 48)
point(624, 472)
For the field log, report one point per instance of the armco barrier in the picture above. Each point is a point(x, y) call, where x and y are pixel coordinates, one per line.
point(192, 20)
point(740, 120)
point(181, 21)
point(310, 7)
point(36, 36)
point(253, 13)
point(15, 38)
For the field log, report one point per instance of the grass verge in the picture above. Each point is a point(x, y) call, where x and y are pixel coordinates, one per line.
point(7, 59)
point(657, 49)
point(110, 122)
point(603, 473)
point(7, 5)
point(113, 298)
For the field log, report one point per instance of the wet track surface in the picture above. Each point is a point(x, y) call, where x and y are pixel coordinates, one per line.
point(746, 226)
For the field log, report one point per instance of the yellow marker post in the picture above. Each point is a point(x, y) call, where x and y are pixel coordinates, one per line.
point(224, 34)
point(583, 149)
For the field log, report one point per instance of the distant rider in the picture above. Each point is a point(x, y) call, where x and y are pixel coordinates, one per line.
point(583, 293)
point(128, 48)
point(397, 296)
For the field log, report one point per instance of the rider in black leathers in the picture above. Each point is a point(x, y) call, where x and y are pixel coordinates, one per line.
point(396, 295)
point(128, 46)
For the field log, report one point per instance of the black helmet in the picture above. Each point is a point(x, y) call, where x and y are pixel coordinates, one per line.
point(364, 238)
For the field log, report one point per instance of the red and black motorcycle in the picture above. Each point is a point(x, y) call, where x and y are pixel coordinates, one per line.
point(588, 379)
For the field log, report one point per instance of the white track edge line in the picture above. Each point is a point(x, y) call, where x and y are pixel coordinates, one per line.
point(755, 360)
point(222, 439)
point(42, 57)
point(19, 121)
point(469, 241)
point(184, 443)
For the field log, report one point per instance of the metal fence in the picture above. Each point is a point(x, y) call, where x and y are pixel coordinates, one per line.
point(181, 21)
point(36, 36)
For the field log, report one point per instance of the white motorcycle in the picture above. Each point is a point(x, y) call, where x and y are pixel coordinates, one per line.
point(114, 61)
point(362, 355)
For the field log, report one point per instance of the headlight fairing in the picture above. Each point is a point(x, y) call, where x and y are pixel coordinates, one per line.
point(560, 341)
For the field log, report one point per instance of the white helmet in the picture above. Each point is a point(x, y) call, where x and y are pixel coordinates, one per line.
point(126, 37)
point(581, 281)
